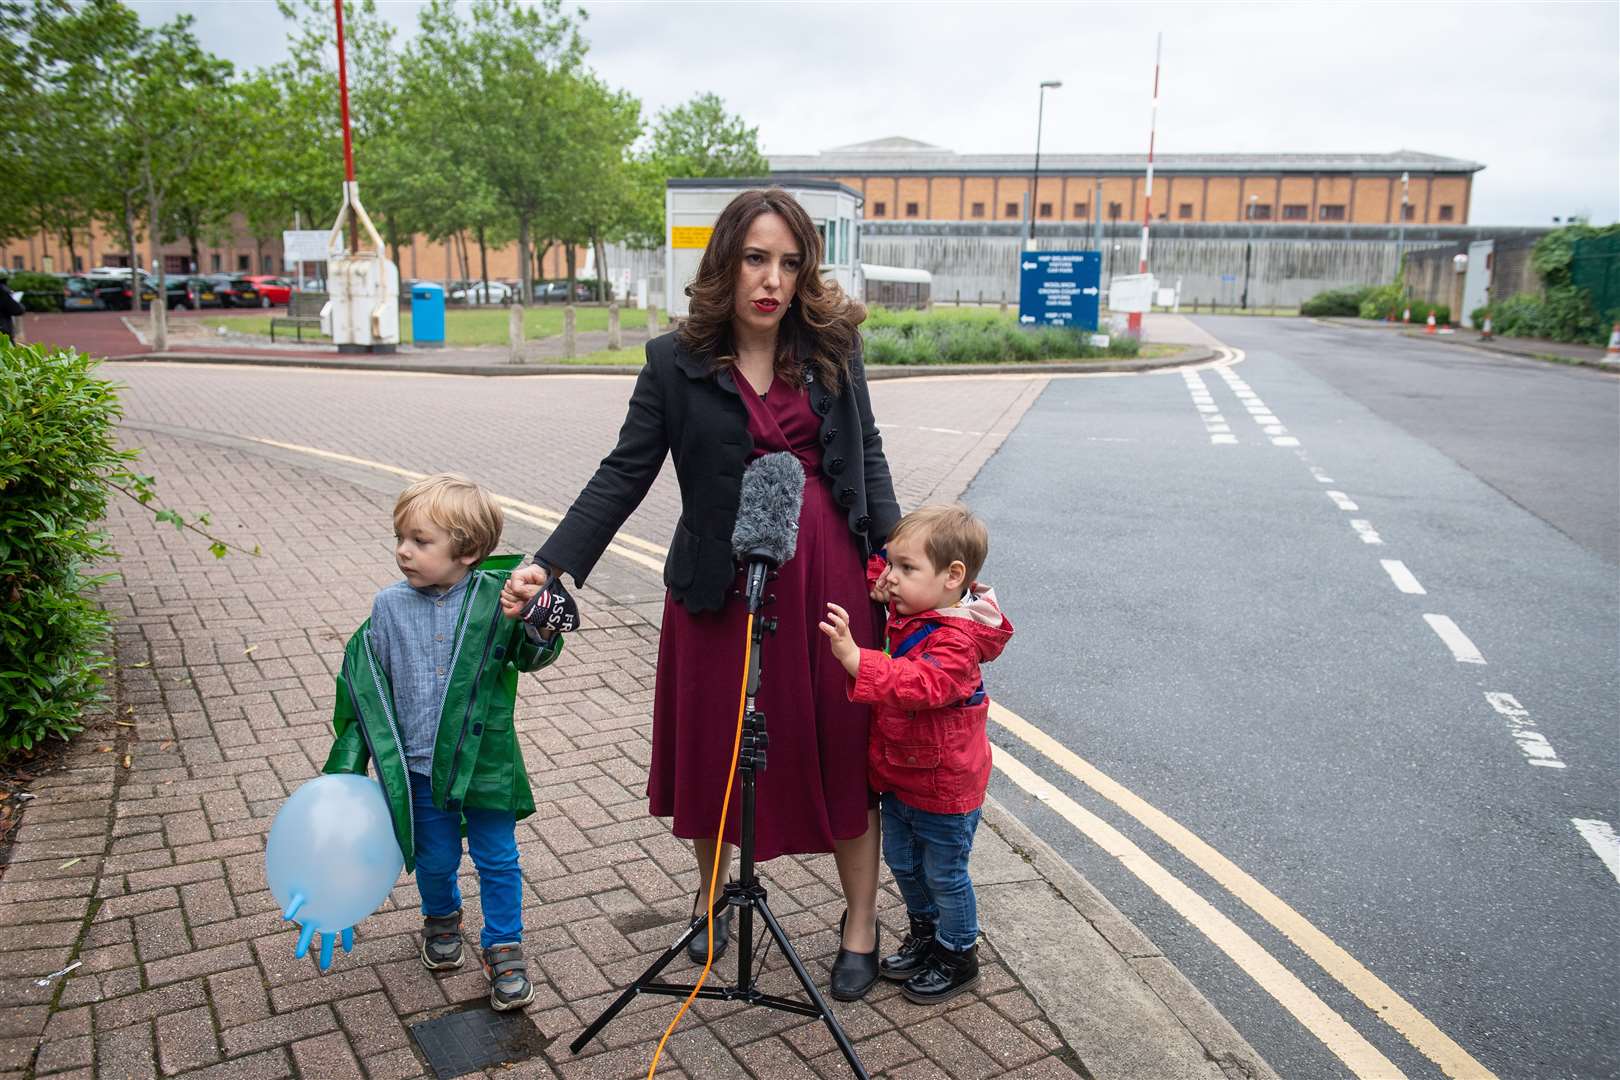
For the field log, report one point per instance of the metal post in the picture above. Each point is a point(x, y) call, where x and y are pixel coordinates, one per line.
point(1134, 320)
point(1035, 175)
point(1400, 233)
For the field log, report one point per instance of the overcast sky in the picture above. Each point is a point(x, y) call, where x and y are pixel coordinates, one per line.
point(1531, 90)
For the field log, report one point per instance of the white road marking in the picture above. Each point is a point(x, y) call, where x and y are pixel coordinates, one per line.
point(1532, 743)
point(1402, 577)
point(1461, 648)
point(952, 431)
point(1364, 529)
point(1285, 440)
point(1384, 1002)
point(1359, 1055)
point(1600, 834)
point(1209, 412)
point(1223, 440)
point(1321, 476)
point(1342, 501)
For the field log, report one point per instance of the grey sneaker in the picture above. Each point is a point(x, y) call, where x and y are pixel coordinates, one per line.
point(441, 942)
point(509, 985)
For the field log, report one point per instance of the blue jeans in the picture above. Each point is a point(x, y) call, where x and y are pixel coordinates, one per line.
point(928, 855)
point(492, 842)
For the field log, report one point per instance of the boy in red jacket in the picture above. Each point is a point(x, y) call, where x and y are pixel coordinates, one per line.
point(929, 755)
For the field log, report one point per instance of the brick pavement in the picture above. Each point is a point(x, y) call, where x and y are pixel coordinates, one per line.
point(143, 858)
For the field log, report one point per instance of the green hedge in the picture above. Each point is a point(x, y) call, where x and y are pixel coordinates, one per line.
point(56, 458)
point(41, 292)
point(1562, 313)
point(976, 337)
point(1390, 302)
point(1341, 302)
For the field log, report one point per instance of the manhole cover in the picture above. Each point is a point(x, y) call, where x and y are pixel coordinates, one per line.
point(464, 1042)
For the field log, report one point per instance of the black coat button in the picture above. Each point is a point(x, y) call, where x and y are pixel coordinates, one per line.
point(832, 433)
point(835, 466)
point(846, 496)
point(823, 406)
point(863, 523)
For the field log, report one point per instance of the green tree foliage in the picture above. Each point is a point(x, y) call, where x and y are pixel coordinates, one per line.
point(700, 138)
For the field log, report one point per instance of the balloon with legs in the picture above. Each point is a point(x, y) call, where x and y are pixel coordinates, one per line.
point(332, 859)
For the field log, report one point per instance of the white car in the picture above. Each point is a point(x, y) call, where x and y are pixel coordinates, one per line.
point(475, 294)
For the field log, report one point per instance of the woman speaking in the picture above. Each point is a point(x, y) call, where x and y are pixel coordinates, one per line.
point(768, 360)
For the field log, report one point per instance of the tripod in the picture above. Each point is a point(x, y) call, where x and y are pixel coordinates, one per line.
point(747, 894)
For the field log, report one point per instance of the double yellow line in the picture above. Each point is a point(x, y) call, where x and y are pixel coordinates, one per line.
point(1337, 1034)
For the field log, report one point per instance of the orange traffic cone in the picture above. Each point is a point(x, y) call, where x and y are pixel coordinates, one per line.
point(1485, 331)
point(1429, 328)
point(1613, 353)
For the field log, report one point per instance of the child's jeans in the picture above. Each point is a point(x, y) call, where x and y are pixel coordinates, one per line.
point(928, 855)
point(492, 842)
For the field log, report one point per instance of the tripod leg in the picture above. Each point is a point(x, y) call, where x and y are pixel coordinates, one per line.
point(810, 990)
point(635, 988)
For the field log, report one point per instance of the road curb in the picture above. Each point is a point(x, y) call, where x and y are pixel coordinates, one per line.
point(1195, 354)
point(1450, 339)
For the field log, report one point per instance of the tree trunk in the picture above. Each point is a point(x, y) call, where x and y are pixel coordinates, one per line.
point(196, 250)
point(160, 306)
point(483, 263)
point(568, 258)
point(540, 258)
point(466, 261)
point(72, 251)
point(525, 271)
point(602, 292)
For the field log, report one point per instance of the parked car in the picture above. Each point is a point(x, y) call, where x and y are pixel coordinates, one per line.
point(475, 293)
point(235, 290)
point(80, 293)
point(273, 290)
point(547, 292)
point(116, 293)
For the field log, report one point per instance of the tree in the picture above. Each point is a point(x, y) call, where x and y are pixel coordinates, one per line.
point(700, 138)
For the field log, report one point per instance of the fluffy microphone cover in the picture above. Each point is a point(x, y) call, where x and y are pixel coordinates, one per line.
point(768, 511)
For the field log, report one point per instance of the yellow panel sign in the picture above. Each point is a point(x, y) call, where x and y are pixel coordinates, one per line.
point(690, 236)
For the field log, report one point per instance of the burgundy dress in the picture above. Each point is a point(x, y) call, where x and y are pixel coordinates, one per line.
point(813, 790)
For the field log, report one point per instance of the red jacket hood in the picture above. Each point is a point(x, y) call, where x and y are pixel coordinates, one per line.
point(977, 615)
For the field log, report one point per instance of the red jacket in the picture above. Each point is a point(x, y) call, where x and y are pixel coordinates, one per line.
point(928, 743)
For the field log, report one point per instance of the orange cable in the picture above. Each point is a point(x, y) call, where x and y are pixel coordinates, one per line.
point(719, 847)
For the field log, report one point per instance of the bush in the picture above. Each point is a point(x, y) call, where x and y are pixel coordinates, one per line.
point(56, 459)
point(1562, 313)
point(976, 337)
point(1391, 302)
point(41, 292)
point(1341, 302)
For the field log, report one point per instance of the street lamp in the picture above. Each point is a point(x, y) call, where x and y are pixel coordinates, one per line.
point(1400, 233)
point(1035, 177)
point(1248, 251)
point(1459, 263)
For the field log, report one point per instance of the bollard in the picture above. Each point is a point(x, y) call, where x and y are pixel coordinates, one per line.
point(613, 326)
point(568, 332)
point(160, 324)
point(514, 334)
point(652, 320)
point(1004, 303)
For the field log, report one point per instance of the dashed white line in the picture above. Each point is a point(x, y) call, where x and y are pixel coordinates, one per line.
point(1402, 577)
point(1600, 834)
point(1463, 650)
point(1532, 743)
point(1342, 501)
point(1220, 433)
point(1321, 476)
point(1364, 529)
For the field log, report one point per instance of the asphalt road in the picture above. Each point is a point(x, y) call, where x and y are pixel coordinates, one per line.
point(1203, 614)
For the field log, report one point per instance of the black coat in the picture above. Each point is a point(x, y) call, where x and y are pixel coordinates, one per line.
point(682, 408)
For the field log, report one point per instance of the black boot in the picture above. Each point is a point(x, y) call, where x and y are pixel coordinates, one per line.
point(948, 973)
point(697, 949)
point(854, 973)
point(913, 954)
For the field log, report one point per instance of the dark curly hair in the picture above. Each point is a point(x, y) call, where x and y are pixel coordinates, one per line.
point(819, 334)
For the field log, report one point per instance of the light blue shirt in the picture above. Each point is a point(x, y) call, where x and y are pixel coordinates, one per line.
point(413, 637)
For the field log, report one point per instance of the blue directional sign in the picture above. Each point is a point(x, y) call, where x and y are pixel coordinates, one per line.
point(1059, 288)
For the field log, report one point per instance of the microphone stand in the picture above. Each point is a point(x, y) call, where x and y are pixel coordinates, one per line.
point(746, 894)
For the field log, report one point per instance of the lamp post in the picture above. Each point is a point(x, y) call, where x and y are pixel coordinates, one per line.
point(1400, 231)
point(1459, 263)
point(1248, 251)
point(1035, 176)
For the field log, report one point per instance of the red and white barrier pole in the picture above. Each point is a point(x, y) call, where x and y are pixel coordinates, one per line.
point(1134, 321)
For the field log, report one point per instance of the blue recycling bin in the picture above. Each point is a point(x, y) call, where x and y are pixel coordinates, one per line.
point(427, 315)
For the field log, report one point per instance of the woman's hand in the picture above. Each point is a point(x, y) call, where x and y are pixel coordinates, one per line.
point(844, 649)
point(523, 583)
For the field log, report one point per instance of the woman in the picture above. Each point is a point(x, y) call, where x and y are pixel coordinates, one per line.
point(769, 359)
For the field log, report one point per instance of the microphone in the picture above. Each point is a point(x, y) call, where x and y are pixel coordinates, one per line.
point(767, 529)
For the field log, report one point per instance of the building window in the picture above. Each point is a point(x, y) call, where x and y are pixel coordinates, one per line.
point(911, 209)
point(16, 262)
point(879, 209)
point(1447, 212)
point(1296, 212)
point(244, 263)
point(1331, 211)
point(1012, 209)
point(266, 265)
point(78, 263)
point(1184, 211)
point(1082, 210)
point(1408, 212)
point(978, 209)
point(1046, 209)
point(1114, 211)
point(213, 261)
point(1259, 211)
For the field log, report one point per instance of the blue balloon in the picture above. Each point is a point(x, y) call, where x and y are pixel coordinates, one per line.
point(332, 858)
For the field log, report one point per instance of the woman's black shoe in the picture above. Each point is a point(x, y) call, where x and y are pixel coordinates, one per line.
point(948, 973)
point(913, 954)
point(854, 973)
point(697, 950)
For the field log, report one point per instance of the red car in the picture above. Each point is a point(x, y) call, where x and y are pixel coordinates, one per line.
point(272, 290)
